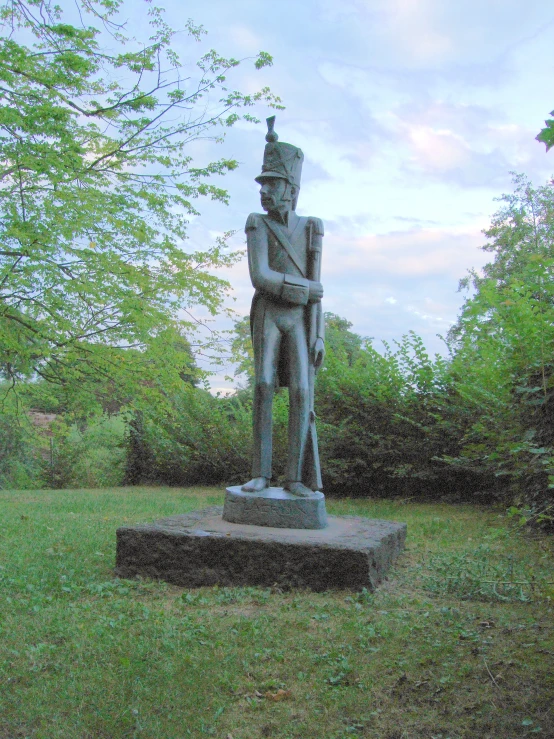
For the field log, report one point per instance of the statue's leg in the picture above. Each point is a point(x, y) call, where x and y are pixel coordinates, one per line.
point(299, 412)
point(266, 348)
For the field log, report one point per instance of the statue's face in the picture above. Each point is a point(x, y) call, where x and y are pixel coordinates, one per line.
point(274, 194)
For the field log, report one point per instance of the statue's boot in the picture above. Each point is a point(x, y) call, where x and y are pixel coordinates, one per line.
point(298, 489)
point(256, 485)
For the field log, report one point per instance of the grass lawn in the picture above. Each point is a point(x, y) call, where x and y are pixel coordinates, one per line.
point(458, 643)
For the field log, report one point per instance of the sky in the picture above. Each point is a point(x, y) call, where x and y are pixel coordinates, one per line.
point(411, 115)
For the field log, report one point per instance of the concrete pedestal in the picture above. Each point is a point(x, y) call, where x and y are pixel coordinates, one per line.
point(276, 508)
point(201, 548)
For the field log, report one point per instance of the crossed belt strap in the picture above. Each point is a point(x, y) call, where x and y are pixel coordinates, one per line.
point(281, 237)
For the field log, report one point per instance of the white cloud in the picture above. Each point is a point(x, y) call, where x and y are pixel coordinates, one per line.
point(412, 24)
point(414, 254)
point(438, 149)
point(243, 38)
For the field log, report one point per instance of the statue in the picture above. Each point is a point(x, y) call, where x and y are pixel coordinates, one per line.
point(259, 538)
point(286, 319)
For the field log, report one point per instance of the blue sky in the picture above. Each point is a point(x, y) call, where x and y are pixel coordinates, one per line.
point(411, 115)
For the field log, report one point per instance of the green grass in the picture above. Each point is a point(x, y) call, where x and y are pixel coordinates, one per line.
point(452, 646)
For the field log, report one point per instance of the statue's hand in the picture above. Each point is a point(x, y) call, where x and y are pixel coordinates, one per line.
point(318, 353)
point(316, 292)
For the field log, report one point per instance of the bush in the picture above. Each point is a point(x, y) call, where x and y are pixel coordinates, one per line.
point(385, 422)
point(504, 381)
point(201, 439)
point(90, 455)
point(20, 457)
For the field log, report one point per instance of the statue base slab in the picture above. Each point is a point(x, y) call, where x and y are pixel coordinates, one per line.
point(200, 548)
point(276, 508)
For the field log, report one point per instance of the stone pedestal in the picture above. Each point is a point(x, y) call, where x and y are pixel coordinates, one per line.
point(276, 508)
point(201, 548)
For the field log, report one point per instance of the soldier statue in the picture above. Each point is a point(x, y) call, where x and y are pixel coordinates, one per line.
point(284, 258)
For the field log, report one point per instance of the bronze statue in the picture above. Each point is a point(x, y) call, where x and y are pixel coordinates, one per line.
point(284, 258)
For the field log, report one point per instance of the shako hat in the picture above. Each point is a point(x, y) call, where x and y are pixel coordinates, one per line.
point(280, 159)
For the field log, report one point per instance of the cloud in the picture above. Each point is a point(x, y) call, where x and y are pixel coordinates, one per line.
point(438, 149)
point(414, 253)
point(413, 26)
point(386, 284)
point(407, 131)
point(244, 38)
point(468, 145)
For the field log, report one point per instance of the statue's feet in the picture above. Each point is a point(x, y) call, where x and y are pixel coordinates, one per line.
point(256, 485)
point(298, 489)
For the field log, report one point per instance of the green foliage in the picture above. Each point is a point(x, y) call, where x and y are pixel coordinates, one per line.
point(20, 461)
point(242, 351)
point(521, 231)
point(207, 439)
point(339, 339)
point(201, 439)
point(90, 454)
point(503, 369)
point(546, 135)
point(384, 419)
point(139, 462)
point(96, 189)
point(20, 447)
point(479, 424)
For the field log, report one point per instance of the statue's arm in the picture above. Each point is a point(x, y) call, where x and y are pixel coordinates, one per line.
point(290, 288)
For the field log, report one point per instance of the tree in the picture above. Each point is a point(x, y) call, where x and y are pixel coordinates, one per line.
point(340, 339)
point(503, 368)
point(242, 351)
point(96, 187)
point(521, 240)
point(522, 228)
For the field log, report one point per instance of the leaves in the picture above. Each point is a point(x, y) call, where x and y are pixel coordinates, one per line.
point(502, 364)
point(546, 135)
point(96, 189)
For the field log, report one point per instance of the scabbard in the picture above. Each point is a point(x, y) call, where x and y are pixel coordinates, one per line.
point(312, 465)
